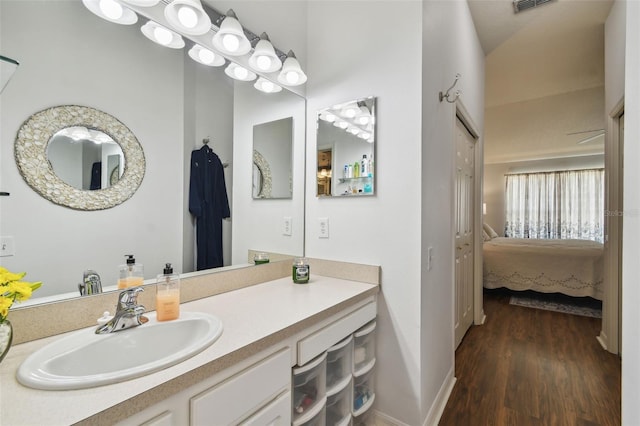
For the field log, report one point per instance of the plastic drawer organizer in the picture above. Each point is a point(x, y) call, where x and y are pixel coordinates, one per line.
point(363, 378)
point(336, 388)
point(309, 396)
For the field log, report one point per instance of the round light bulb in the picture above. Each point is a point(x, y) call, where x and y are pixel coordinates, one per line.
point(206, 56)
point(292, 77)
point(230, 42)
point(111, 9)
point(267, 86)
point(354, 130)
point(330, 117)
point(241, 73)
point(343, 124)
point(187, 16)
point(363, 120)
point(162, 35)
point(264, 62)
point(350, 113)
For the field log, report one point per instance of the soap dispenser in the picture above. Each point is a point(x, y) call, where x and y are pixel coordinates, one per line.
point(131, 273)
point(168, 295)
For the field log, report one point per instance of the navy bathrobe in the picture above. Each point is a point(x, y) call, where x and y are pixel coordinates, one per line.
point(208, 202)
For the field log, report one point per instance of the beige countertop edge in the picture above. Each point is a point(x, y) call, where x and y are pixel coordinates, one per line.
point(154, 395)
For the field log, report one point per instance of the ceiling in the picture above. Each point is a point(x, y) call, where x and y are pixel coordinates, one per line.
point(544, 56)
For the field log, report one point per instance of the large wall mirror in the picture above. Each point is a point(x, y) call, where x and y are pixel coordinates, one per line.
point(346, 149)
point(170, 104)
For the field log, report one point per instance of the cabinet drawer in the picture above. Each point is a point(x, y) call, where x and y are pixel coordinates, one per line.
point(277, 413)
point(318, 342)
point(244, 393)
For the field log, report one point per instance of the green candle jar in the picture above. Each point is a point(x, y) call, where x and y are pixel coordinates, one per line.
point(300, 271)
point(260, 258)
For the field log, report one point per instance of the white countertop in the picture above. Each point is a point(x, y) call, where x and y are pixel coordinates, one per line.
point(249, 315)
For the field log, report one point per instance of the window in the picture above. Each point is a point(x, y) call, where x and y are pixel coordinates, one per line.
point(558, 205)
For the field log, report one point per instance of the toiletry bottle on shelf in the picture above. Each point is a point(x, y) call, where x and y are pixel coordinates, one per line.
point(167, 295)
point(350, 172)
point(356, 169)
point(364, 166)
point(131, 273)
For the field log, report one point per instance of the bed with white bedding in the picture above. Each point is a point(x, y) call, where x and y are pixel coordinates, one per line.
point(571, 267)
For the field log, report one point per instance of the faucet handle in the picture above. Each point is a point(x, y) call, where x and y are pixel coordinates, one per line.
point(129, 297)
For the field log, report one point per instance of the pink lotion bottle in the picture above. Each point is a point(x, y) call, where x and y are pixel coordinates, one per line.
point(168, 295)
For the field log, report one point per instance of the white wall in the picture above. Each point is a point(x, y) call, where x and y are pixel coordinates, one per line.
point(413, 204)
point(614, 55)
point(450, 46)
point(352, 56)
point(149, 102)
point(537, 129)
point(494, 181)
point(631, 244)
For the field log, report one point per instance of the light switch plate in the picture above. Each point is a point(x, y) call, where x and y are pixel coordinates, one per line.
point(7, 247)
point(286, 226)
point(323, 227)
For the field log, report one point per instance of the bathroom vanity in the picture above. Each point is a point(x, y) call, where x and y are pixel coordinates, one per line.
point(244, 377)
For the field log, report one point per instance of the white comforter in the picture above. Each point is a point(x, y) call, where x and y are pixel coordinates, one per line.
point(572, 267)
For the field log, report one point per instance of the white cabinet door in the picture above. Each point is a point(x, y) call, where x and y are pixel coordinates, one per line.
point(277, 413)
point(234, 399)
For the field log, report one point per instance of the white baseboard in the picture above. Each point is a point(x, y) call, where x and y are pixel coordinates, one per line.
point(603, 339)
point(437, 408)
point(381, 419)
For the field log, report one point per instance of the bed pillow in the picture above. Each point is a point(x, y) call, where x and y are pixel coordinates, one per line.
point(485, 236)
point(489, 230)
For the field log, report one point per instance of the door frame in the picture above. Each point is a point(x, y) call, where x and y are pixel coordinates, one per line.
point(609, 336)
point(478, 172)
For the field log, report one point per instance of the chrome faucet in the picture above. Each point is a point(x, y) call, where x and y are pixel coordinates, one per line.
point(90, 283)
point(128, 313)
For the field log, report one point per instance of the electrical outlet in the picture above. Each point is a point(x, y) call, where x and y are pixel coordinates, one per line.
point(6, 247)
point(323, 227)
point(286, 226)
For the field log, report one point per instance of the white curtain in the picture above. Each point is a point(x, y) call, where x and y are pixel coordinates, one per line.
point(558, 205)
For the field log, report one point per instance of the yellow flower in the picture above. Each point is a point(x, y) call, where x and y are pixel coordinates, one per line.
point(5, 304)
point(7, 276)
point(12, 289)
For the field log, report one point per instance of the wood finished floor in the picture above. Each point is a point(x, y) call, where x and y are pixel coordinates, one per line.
point(532, 367)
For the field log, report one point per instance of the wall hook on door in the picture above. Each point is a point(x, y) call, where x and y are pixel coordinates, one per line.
point(447, 94)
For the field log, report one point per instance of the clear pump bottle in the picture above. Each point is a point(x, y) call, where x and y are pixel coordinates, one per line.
point(167, 295)
point(131, 273)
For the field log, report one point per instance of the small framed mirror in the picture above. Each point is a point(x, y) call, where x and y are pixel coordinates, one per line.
point(346, 149)
point(273, 159)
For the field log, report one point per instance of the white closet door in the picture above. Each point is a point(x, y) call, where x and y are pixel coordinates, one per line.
point(464, 199)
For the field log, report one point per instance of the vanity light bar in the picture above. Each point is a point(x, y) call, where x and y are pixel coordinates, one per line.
point(202, 24)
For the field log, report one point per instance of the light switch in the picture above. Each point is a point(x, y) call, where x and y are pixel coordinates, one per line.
point(6, 247)
point(286, 226)
point(323, 227)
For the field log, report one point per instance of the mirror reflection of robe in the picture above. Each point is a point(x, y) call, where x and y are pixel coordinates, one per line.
point(208, 202)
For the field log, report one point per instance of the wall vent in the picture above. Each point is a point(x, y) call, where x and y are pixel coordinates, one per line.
point(520, 5)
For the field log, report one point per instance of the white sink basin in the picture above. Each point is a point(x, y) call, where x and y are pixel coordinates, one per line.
point(85, 359)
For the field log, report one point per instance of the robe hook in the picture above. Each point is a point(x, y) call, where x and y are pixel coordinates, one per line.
point(446, 95)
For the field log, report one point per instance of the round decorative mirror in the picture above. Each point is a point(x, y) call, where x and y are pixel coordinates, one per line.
point(79, 157)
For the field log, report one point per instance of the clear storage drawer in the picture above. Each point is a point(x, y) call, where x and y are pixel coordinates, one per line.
point(364, 344)
point(363, 391)
point(339, 365)
point(309, 383)
point(339, 405)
